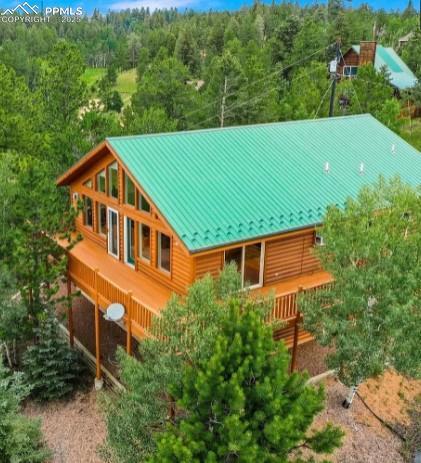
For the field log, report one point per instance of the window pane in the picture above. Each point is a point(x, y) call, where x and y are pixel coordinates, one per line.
point(113, 180)
point(88, 217)
point(129, 191)
point(88, 183)
point(164, 252)
point(252, 264)
point(102, 219)
point(143, 204)
point(234, 255)
point(100, 181)
point(113, 232)
point(145, 241)
point(129, 241)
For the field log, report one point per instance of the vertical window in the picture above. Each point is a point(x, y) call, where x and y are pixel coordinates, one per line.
point(87, 212)
point(113, 237)
point(102, 218)
point(144, 241)
point(249, 262)
point(129, 191)
point(143, 203)
point(235, 255)
point(100, 181)
point(129, 241)
point(164, 252)
point(252, 254)
point(113, 180)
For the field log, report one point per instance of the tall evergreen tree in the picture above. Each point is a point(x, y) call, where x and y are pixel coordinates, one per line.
point(242, 405)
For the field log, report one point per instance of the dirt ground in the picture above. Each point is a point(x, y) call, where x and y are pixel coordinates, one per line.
point(367, 440)
point(74, 430)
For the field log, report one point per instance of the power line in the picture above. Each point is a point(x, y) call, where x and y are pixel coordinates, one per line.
point(263, 79)
point(250, 101)
point(323, 97)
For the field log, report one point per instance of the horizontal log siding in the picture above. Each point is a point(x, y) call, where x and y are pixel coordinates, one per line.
point(289, 257)
point(181, 276)
point(209, 263)
point(182, 269)
point(100, 240)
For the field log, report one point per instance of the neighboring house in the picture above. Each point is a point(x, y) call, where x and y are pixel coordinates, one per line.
point(401, 77)
point(405, 39)
point(163, 210)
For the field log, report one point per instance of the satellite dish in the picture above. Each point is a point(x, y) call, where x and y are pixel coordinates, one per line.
point(114, 312)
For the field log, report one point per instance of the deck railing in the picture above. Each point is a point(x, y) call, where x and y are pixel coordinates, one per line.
point(286, 306)
point(96, 285)
point(141, 316)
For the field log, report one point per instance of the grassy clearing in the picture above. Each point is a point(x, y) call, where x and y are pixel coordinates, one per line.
point(126, 81)
point(413, 136)
point(92, 75)
point(126, 84)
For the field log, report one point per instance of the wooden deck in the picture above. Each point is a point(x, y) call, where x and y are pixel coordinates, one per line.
point(105, 279)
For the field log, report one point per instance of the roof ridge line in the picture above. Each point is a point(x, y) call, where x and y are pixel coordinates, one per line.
point(237, 127)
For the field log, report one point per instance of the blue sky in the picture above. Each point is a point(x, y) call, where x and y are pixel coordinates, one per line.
point(89, 5)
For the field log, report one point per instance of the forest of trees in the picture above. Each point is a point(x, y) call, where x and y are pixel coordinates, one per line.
point(205, 69)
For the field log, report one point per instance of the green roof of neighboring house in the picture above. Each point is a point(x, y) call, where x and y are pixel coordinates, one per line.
point(400, 74)
point(222, 186)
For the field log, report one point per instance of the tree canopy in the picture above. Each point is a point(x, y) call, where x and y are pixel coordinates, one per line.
point(371, 314)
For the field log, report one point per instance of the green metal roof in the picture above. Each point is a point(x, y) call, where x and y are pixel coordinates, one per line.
point(221, 186)
point(400, 74)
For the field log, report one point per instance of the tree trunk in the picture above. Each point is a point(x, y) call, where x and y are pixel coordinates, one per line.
point(351, 394)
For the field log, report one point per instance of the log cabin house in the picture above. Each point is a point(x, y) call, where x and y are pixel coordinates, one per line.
point(369, 52)
point(161, 211)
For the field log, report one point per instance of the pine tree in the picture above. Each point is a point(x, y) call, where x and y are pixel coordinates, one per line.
point(242, 405)
point(20, 437)
point(51, 367)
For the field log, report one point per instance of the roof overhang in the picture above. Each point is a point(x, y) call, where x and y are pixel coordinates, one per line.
point(84, 163)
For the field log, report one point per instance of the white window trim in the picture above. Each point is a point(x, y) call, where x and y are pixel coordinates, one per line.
point(139, 230)
point(262, 265)
point(349, 66)
point(164, 270)
point(126, 247)
point(110, 209)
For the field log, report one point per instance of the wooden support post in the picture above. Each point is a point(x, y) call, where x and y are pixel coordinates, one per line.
point(70, 309)
point(296, 332)
point(129, 322)
point(97, 332)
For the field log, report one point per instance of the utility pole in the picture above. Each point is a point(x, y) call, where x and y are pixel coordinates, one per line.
point(224, 96)
point(333, 75)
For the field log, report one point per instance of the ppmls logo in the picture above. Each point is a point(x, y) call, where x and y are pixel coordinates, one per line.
point(24, 12)
point(22, 8)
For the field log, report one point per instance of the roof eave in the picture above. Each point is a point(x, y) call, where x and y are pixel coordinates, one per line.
point(254, 238)
point(67, 177)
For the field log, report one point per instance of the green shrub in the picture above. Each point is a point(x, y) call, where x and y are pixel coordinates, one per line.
point(51, 367)
point(20, 437)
